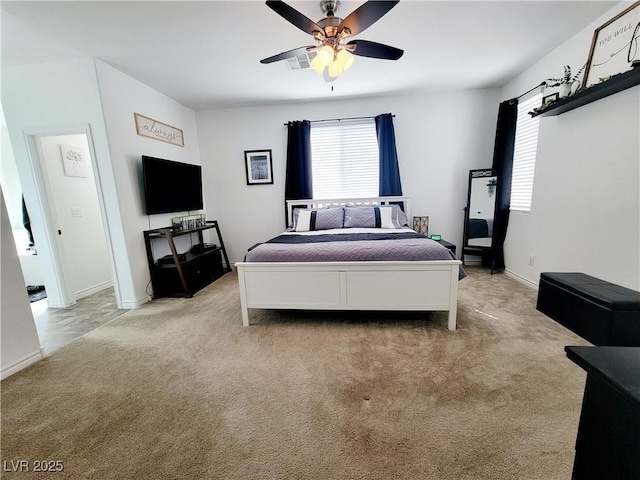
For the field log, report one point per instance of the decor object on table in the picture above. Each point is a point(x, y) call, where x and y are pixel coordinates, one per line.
point(566, 82)
point(614, 47)
point(259, 167)
point(421, 225)
point(148, 127)
point(333, 54)
point(188, 222)
point(74, 161)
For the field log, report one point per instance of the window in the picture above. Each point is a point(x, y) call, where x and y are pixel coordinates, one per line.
point(344, 159)
point(524, 154)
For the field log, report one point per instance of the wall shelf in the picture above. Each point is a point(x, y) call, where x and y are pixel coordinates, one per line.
point(613, 85)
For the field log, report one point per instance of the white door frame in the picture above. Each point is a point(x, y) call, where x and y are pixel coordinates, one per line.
point(52, 242)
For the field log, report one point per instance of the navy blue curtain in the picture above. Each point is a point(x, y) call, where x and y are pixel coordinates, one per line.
point(298, 182)
point(389, 172)
point(503, 168)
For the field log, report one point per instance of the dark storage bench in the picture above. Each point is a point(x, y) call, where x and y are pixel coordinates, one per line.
point(601, 312)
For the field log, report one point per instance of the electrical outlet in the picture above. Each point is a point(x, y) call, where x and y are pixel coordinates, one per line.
point(76, 212)
point(531, 259)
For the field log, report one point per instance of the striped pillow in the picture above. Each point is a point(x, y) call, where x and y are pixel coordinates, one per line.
point(307, 220)
point(390, 216)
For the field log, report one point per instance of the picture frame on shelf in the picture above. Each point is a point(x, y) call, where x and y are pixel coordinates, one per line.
point(259, 167)
point(553, 97)
point(614, 47)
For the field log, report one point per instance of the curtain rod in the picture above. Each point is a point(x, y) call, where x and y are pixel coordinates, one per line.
point(532, 89)
point(339, 119)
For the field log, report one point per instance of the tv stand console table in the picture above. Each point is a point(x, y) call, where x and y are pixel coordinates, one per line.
point(184, 274)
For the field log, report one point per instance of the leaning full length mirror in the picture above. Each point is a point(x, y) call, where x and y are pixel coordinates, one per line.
point(481, 208)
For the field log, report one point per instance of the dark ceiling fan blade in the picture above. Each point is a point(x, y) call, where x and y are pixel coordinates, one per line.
point(293, 16)
point(366, 15)
point(284, 55)
point(365, 48)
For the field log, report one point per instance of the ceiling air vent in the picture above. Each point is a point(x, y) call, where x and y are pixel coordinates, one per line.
point(301, 61)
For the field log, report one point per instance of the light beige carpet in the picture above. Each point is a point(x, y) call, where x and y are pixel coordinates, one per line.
point(179, 389)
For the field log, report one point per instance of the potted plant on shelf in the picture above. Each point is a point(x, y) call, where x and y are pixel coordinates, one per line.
point(566, 82)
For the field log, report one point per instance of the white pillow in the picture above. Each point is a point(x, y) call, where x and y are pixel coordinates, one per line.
point(303, 222)
point(386, 217)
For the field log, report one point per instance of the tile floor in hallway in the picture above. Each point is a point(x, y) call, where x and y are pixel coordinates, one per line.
point(59, 326)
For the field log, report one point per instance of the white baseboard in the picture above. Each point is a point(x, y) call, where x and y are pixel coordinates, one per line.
point(128, 305)
point(135, 303)
point(56, 304)
point(85, 292)
point(22, 363)
point(521, 279)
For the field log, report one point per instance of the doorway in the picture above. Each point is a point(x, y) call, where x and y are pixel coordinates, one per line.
point(74, 209)
point(71, 257)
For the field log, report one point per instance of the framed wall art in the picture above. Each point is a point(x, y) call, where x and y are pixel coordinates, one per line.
point(74, 161)
point(614, 46)
point(259, 167)
point(148, 127)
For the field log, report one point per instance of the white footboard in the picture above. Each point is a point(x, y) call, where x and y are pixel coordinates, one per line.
point(421, 285)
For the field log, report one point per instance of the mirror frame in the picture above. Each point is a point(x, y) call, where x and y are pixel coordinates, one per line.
point(476, 249)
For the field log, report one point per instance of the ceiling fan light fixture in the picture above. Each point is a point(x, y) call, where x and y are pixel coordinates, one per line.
point(335, 69)
point(345, 58)
point(331, 48)
point(317, 65)
point(326, 54)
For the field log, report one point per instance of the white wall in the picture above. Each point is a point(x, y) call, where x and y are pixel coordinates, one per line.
point(9, 178)
point(585, 214)
point(121, 97)
point(10, 181)
point(19, 343)
point(439, 136)
point(87, 92)
point(83, 238)
point(47, 99)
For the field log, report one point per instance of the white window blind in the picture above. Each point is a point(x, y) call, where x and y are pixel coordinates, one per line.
point(344, 158)
point(524, 154)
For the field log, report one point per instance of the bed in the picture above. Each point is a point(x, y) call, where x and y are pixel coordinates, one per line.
point(314, 265)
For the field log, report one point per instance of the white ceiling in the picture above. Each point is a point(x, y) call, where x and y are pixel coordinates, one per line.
point(206, 54)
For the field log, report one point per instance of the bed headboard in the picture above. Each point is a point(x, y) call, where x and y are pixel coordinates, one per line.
point(341, 202)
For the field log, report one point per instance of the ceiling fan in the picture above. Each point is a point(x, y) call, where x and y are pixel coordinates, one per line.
point(333, 49)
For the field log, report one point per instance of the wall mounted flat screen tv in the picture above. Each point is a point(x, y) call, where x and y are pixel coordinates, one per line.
point(171, 186)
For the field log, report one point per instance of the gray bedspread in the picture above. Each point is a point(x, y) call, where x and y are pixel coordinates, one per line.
point(370, 246)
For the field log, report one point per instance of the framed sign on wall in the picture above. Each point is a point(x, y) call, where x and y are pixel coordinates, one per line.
point(148, 127)
point(614, 46)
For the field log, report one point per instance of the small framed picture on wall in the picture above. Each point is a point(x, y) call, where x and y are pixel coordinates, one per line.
point(258, 165)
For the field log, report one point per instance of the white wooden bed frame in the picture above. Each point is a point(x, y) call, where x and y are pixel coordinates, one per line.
point(390, 285)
